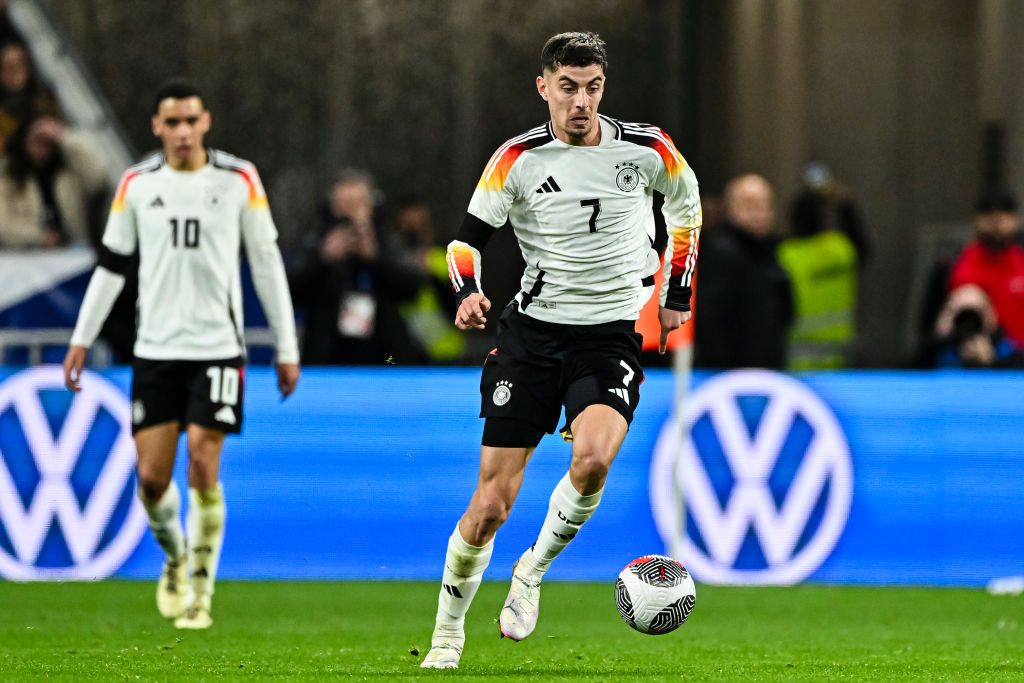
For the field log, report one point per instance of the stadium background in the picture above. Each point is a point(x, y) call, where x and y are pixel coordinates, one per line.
point(915, 104)
point(895, 95)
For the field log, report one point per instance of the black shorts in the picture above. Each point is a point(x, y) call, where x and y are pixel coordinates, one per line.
point(208, 393)
point(539, 366)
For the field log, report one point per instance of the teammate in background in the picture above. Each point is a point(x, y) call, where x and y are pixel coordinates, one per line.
point(578, 192)
point(187, 210)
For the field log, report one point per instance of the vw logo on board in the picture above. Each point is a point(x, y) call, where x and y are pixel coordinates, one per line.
point(68, 509)
point(752, 483)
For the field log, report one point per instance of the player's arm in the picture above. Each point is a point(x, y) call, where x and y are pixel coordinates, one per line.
point(120, 239)
point(259, 235)
point(488, 211)
point(675, 179)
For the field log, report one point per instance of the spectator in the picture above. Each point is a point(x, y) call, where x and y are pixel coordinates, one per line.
point(430, 315)
point(353, 283)
point(969, 336)
point(823, 259)
point(994, 261)
point(744, 305)
point(22, 95)
point(47, 182)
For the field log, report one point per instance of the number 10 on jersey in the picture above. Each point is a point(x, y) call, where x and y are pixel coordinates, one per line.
point(186, 231)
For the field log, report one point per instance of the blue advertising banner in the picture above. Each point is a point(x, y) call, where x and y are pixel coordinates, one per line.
point(857, 477)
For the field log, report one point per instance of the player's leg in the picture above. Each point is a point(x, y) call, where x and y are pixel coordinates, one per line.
point(603, 391)
point(206, 514)
point(156, 446)
point(216, 397)
point(471, 543)
point(598, 434)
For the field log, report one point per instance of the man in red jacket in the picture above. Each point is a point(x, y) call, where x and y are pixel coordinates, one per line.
point(994, 261)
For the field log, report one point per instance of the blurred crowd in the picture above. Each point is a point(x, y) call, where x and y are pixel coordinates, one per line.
point(786, 298)
point(52, 187)
point(370, 280)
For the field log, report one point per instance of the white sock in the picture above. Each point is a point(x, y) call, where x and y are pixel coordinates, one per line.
point(567, 512)
point(464, 566)
point(206, 514)
point(165, 521)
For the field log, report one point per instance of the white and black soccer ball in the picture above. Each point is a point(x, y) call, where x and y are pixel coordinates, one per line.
point(655, 594)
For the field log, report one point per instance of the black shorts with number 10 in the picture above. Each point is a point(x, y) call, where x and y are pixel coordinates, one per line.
point(208, 393)
point(539, 366)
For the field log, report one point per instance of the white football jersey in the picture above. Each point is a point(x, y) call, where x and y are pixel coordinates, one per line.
point(189, 227)
point(583, 219)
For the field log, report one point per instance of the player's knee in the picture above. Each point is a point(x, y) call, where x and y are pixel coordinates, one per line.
point(153, 482)
point(590, 462)
point(491, 511)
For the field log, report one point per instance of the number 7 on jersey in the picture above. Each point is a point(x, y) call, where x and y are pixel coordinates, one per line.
point(596, 204)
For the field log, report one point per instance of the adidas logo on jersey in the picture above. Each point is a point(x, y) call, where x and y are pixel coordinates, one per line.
point(156, 203)
point(549, 186)
point(225, 415)
point(621, 393)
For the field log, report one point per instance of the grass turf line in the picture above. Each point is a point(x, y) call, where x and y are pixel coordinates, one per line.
point(313, 631)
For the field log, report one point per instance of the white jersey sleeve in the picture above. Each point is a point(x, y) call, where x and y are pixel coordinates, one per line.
point(676, 180)
point(259, 236)
point(495, 193)
point(120, 237)
point(121, 232)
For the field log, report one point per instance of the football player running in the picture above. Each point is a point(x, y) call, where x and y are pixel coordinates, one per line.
point(578, 192)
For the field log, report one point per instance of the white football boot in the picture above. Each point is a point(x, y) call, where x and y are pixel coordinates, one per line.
point(172, 590)
point(196, 616)
point(445, 650)
point(518, 617)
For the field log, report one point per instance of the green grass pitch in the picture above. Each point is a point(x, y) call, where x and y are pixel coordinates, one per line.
point(372, 631)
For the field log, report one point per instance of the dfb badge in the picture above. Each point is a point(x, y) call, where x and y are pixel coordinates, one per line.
point(213, 197)
point(502, 393)
point(628, 176)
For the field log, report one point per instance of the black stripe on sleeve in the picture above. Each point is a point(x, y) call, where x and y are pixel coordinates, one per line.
point(475, 232)
point(114, 262)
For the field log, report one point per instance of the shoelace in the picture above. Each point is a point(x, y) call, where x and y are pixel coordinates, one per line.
point(530, 582)
point(447, 646)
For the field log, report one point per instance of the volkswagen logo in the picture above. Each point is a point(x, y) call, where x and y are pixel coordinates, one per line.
point(68, 509)
point(752, 483)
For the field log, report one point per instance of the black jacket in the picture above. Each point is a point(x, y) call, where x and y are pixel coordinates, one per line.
point(744, 302)
point(390, 279)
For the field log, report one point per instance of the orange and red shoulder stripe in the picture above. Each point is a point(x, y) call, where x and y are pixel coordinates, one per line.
point(496, 173)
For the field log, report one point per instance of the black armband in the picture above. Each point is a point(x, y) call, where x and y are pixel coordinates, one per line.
point(475, 232)
point(112, 261)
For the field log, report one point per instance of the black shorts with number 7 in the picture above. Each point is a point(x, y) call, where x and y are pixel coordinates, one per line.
point(208, 393)
point(538, 367)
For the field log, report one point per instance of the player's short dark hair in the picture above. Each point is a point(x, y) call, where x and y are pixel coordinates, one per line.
point(575, 48)
point(178, 89)
point(995, 200)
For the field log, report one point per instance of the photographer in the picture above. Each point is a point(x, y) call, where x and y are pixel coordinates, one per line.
point(969, 336)
point(355, 278)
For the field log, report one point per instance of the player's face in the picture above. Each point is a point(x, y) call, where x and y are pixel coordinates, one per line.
point(181, 125)
point(573, 94)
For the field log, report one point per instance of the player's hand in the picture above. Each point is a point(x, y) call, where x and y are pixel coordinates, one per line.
point(470, 315)
point(287, 378)
point(670, 320)
point(74, 361)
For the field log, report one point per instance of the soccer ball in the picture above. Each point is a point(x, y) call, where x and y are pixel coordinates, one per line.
point(655, 594)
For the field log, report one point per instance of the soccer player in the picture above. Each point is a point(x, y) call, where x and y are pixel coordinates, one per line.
point(578, 192)
point(186, 211)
